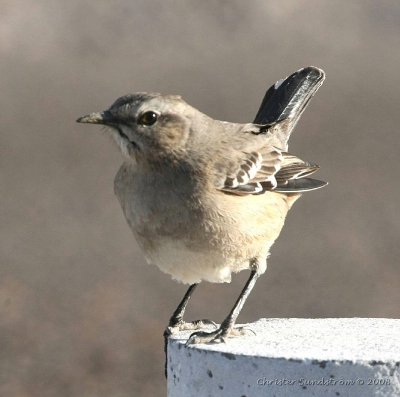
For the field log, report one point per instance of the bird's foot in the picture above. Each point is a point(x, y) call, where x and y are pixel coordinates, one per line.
point(188, 326)
point(176, 326)
point(218, 336)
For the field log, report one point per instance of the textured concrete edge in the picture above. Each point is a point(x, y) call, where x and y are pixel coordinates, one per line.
point(193, 371)
point(181, 344)
point(243, 367)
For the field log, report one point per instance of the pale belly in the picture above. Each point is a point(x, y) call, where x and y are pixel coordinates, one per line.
point(211, 257)
point(208, 242)
point(189, 267)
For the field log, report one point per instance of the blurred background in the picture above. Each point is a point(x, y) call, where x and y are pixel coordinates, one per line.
point(81, 314)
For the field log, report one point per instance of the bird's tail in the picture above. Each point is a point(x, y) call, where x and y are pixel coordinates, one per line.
point(286, 100)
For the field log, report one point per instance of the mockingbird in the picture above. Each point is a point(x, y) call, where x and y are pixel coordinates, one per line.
point(207, 198)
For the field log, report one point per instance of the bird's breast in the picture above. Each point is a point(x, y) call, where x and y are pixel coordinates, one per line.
point(198, 236)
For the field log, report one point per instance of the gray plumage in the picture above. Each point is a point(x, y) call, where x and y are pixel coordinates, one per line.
point(205, 198)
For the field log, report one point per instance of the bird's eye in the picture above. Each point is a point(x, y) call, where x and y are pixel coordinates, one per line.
point(148, 118)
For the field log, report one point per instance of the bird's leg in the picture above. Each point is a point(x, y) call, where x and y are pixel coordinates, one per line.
point(176, 322)
point(177, 316)
point(226, 327)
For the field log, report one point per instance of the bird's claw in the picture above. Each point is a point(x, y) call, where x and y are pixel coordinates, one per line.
point(188, 326)
point(206, 337)
point(242, 331)
point(203, 323)
point(220, 335)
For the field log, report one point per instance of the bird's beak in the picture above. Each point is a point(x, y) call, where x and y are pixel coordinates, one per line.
point(97, 118)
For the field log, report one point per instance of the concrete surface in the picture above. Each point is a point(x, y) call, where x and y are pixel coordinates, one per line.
point(292, 357)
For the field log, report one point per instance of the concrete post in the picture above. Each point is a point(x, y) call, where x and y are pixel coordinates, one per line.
point(292, 357)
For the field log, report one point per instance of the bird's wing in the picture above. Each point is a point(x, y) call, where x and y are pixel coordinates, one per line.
point(266, 169)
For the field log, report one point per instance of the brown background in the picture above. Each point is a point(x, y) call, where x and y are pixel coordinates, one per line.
point(80, 312)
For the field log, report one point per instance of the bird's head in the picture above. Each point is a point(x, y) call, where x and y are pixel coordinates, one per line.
point(147, 125)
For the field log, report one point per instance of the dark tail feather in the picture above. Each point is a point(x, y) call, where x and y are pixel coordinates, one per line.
point(287, 99)
point(300, 185)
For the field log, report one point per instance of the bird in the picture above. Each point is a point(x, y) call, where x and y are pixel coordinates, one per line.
point(206, 198)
